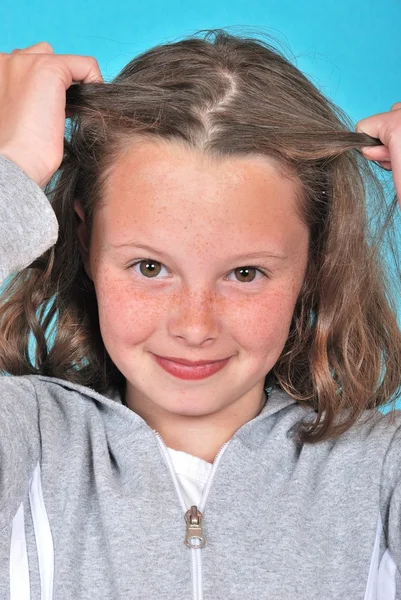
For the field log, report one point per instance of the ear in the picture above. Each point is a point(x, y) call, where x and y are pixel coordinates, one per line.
point(83, 238)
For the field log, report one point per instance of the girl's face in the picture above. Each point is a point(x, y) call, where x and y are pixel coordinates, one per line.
point(196, 224)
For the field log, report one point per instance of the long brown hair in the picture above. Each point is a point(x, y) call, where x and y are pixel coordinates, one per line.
point(226, 95)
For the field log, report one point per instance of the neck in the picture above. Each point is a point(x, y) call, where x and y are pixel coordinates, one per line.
point(199, 435)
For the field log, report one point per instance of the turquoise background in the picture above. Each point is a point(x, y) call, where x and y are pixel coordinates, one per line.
point(349, 48)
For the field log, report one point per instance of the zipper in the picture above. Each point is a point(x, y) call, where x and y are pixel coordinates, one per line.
point(194, 537)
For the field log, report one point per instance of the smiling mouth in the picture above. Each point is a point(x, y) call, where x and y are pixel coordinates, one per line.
point(191, 363)
point(190, 370)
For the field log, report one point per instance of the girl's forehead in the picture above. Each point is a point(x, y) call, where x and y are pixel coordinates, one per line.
point(168, 195)
point(167, 176)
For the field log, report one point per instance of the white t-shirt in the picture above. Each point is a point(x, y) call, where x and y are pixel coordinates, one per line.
point(192, 474)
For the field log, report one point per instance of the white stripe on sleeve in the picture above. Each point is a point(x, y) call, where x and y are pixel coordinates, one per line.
point(43, 535)
point(19, 569)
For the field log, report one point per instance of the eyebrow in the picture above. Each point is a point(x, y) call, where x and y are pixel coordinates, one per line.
point(257, 254)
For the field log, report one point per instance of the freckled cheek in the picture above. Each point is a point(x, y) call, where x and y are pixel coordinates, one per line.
point(264, 325)
point(126, 315)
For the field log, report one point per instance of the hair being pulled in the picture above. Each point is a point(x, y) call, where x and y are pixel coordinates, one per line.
point(227, 95)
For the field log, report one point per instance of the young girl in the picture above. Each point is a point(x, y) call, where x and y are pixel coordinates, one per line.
point(199, 335)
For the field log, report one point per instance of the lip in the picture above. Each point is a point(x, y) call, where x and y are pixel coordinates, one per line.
point(185, 369)
point(190, 363)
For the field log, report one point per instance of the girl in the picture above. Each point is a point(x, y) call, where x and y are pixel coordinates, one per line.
point(199, 335)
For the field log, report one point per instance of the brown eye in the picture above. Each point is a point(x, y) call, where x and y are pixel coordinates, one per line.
point(149, 268)
point(245, 274)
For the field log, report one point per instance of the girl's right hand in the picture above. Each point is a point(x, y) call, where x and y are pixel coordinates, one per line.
point(33, 84)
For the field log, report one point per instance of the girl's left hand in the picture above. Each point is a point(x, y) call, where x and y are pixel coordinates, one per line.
point(387, 128)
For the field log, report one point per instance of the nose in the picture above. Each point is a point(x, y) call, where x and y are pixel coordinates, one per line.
point(193, 317)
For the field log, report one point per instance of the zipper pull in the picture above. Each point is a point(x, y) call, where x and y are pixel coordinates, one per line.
point(194, 537)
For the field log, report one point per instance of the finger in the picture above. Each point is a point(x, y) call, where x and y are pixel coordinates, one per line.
point(39, 48)
point(385, 164)
point(396, 163)
point(376, 152)
point(371, 125)
point(84, 69)
point(79, 69)
point(381, 125)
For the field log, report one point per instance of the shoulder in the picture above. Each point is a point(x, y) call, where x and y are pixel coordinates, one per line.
point(52, 391)
point(373, 446)
point(366, 445)
point(62, 407)
point(376, 429)
point(17, 392)
point(53, 384)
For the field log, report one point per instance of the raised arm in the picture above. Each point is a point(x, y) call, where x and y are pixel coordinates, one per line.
point(28, 225)
point(32, 124)
point(33, 84)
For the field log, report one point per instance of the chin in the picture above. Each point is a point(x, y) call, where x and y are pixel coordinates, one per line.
point(189, 408)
